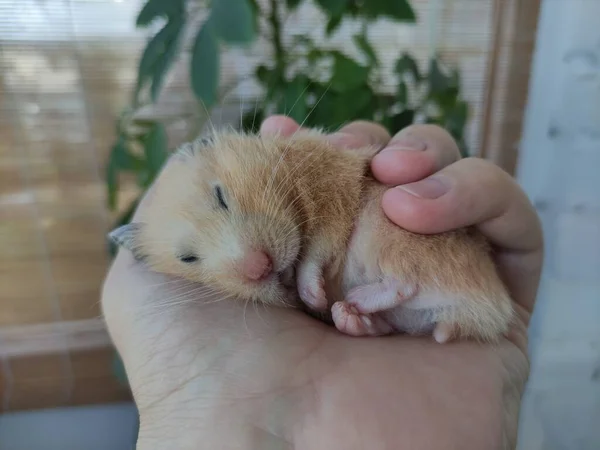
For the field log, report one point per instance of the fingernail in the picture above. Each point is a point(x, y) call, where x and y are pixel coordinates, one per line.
point(406, 144)
point(430, 188)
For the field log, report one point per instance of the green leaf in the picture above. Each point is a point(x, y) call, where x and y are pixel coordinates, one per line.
point(164, 63)
point(401, 120)
point(333, 23)
point(438, 80)
point(293, 101)
point(456, 119)
point(144, 178)
point(293, 4)
point(445, 99)
point(159, 8)
point(158, 56)
point(333, 7)
point(347, 73)
point(314, 55)
point(270, 79)
point(303, 40)
point(155, 148)
point(126, 161)
point(363, 44)
point(123, 219)
point(252, 119)
point(120, 159)
point(263, 73)
point(205, 66)
point(322, 113)
point(406, 64)
point(399, 10)
point(127, 215)
point(352, 105)
point(233, 21)
point(402, 93)
point(112, 182)
point(384, 102)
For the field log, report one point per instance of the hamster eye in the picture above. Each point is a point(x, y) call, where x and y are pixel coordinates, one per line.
point(188, 259)
point(220, 197)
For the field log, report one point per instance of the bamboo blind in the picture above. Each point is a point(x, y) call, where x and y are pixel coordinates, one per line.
point(67, 67)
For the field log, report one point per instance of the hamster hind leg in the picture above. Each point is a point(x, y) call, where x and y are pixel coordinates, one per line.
point(349, 321)
point(358, 314)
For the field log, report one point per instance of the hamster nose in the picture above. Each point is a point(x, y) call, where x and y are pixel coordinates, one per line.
point(256, 265)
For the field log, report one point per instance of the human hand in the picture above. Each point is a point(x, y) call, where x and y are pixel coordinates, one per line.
point(218, 374)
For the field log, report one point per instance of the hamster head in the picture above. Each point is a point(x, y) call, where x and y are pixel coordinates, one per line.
point(223, 213)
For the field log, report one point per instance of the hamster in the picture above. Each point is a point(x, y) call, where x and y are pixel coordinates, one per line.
point(296, 222)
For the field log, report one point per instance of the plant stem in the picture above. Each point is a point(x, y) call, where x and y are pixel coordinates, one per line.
point(280, 62)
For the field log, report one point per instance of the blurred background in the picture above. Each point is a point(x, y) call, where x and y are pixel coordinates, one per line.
point(95, 93)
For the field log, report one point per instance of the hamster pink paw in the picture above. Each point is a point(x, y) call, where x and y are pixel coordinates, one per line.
point(311, 286)
point(349, 321)
point(381, 296)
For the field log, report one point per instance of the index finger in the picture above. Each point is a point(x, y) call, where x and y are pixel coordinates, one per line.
point(357, 134)
point(414, 153)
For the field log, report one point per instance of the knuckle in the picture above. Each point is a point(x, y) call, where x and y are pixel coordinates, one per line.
point(485, 169)
point(439, 140)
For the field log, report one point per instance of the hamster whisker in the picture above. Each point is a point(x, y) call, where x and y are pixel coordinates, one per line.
point(298, 99)
point(186, 299)
point(281, 185)
point(296, 228)
point(241, 110)
point(170, 282)
point(254, 116)
point(192, 287)
point(293, 135)
point(163, 307)
point(209, 118)
point(308, 170)
point(282, 197)
point(255, 306)
point(313, 108)
point(288, 176)
point(244, 317)
point(203, 290)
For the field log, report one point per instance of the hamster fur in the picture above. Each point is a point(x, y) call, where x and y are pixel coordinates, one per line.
point(278, 220)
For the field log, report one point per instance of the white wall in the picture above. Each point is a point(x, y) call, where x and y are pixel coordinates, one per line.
point(560, 170)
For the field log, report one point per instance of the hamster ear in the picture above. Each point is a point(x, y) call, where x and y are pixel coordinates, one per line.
point(189, 149)
point(127, 236)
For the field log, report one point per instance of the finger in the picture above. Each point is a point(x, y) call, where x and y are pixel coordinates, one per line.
point(360, 133)
point(281, 125)
point(476, 192)
point(415, 153)
point(354, 135)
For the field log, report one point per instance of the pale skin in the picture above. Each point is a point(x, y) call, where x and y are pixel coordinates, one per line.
point(211, 373)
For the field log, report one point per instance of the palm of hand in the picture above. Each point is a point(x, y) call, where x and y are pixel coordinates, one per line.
point(279, 377)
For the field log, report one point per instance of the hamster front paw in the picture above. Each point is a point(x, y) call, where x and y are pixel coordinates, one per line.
point(311, 285)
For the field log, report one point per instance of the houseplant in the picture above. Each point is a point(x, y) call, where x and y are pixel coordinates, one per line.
point(294, 83)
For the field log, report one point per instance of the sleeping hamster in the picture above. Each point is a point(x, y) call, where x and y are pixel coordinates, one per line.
point(278, 220)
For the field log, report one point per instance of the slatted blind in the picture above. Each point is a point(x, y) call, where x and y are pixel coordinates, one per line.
point(67, 68)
